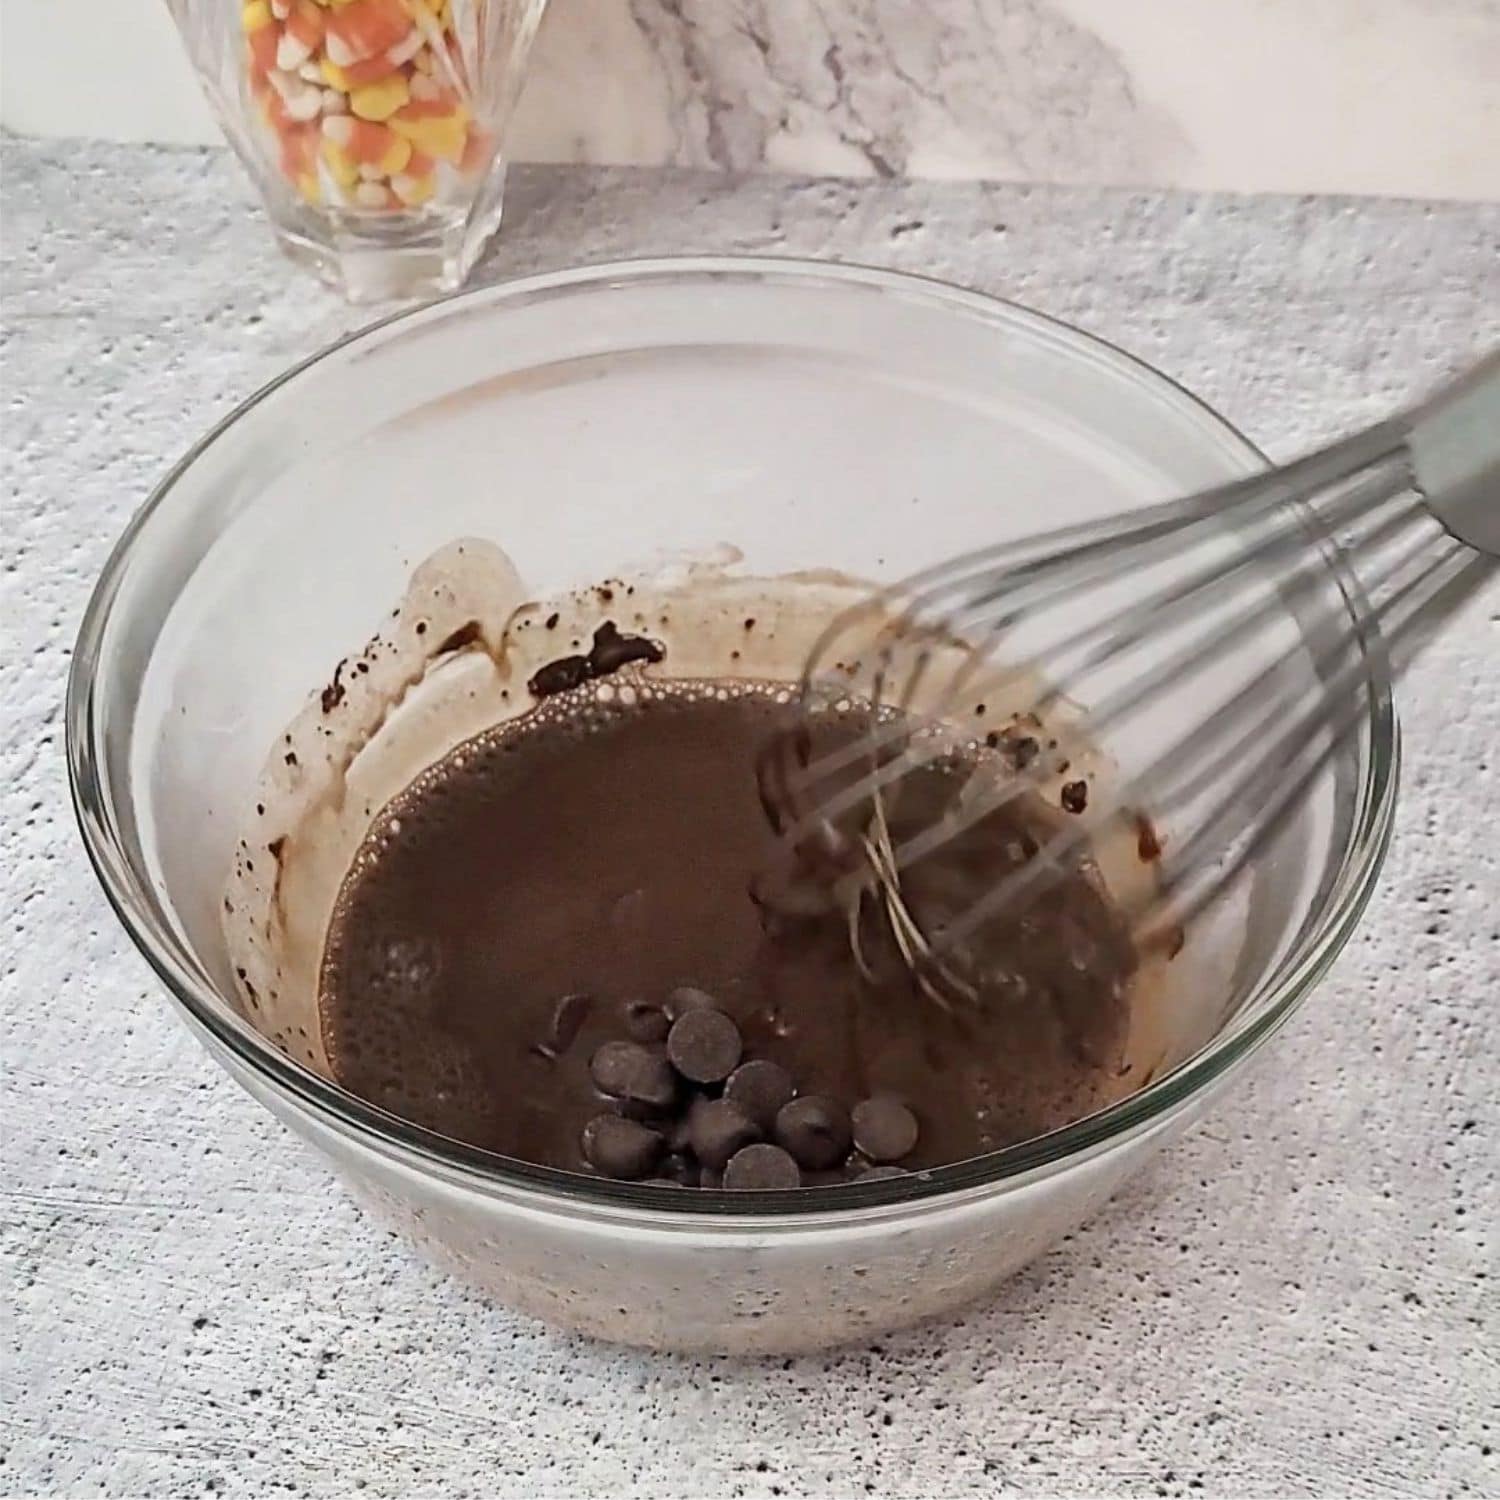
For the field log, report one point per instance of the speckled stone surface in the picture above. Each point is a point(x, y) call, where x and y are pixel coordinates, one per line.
point(1299, 1299)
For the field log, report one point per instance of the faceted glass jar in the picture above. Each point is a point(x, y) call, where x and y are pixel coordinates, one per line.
point(372, 129)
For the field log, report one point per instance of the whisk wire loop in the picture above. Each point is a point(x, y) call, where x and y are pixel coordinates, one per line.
point(1350, 539)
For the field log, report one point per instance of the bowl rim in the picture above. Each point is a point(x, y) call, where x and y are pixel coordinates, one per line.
point(130, 894)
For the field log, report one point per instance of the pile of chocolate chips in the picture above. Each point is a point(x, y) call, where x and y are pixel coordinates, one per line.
point(688, 1109)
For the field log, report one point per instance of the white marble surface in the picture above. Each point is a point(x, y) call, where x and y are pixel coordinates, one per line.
point(1397, 97)
point(1253, 95)
point(1299, 1299)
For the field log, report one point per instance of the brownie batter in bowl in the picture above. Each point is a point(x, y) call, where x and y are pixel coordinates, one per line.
point(556, 930)
point(270, 677)
point(510, 846)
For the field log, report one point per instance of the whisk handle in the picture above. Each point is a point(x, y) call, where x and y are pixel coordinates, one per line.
point(1455, 449)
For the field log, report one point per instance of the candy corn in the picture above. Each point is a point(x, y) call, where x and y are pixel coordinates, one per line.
point(438, 129)
point(365, 99)
point(365, 27)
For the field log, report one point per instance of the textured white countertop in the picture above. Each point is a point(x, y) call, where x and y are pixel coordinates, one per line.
point(1300, 1299)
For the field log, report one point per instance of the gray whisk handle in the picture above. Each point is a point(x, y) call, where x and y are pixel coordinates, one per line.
point(1455, 450)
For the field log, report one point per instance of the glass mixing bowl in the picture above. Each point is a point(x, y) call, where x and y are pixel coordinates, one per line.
point(812, 416)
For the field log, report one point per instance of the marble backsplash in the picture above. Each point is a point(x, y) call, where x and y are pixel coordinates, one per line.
point(1396, 97)
point(1384, 96)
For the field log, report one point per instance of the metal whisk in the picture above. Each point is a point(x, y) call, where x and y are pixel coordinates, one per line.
point(1224, 646)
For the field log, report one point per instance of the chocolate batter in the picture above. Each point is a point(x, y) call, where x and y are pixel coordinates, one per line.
point(553, 885)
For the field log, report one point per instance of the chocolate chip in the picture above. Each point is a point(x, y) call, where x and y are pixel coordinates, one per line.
point(620, 1148)
point(815, 1129)
point(704, 1045)
point(646, 1022)
point(761, 1166)
point(760, 1087)
point(687, 997)
point(882, 1173)
point(567, 1017)
point(1074, 796)
point(885, 1130)
point(629, 1071)
point(613, 1066)
point(717, 1129)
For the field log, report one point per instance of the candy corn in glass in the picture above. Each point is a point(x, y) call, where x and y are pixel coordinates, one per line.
point(374, 129)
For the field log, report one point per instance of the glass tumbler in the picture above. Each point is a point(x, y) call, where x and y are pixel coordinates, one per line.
point(373, 129)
